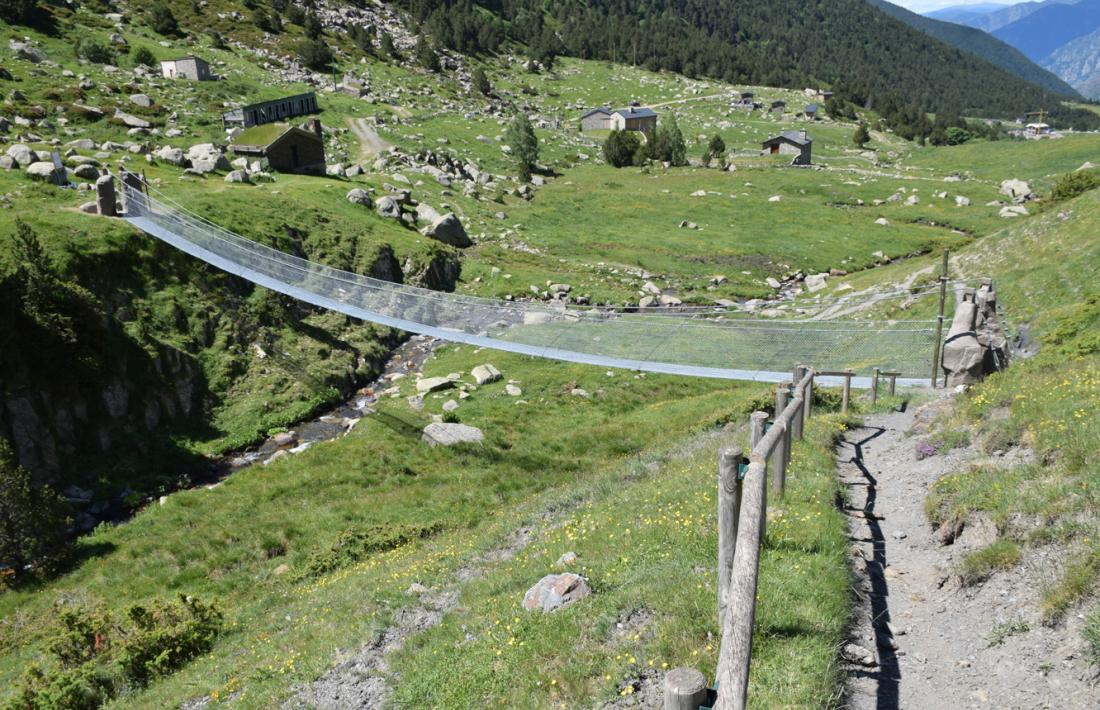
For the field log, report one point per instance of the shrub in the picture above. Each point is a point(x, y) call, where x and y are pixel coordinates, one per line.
point(142, 55)
point(1073, 184)
point(32, 519)
point(216, 40)
point(355, 545)
point(620, 147)
point(862, 136)
point(315, 54)
point(716, 148)
point(162, 20)
point(94, 656)
point(386, 46)
point(95, 52)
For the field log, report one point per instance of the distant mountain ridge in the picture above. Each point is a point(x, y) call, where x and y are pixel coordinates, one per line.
point(1042, 32)
point(991, 21)
point(981, 44)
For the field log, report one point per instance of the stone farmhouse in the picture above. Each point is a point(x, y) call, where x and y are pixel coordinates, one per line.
point(632, 118)
point(189, 67)
point(778, 106)
point(288, 149)
point(796, 143)
point(270, 111)
point(810, 112)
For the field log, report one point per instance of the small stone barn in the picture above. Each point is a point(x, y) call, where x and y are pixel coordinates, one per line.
point(643, 120)
point(288, 149)
point(796, 143)
point(271, 111)
point(810, 112)
point(598, 119)
point(632, 118)
point(189, 67)
point(778, 106)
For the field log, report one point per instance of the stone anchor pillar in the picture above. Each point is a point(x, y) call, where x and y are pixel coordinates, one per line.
point(133, 194)
point(963, 355)
point(990, 334)
point(105, 196)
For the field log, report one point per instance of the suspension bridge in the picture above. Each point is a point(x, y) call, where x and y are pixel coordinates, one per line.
point(700, 342)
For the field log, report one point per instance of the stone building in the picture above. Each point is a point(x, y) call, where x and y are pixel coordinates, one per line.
point(287, 149)
point(631, 118)
point(189, 67)
point(796, 143)
point(271, 111)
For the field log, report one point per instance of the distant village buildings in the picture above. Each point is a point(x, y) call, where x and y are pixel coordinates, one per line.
point(818, 95)
point(632, 118)
point(795, 143)
point(270, 111)
point(1037, 130)
point(292, 150)
point(189, 67)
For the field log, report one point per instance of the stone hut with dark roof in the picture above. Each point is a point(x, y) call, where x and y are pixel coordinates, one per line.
point(796, 143)
point(288, 149)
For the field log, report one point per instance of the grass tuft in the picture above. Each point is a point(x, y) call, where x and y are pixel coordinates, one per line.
point(979, 565)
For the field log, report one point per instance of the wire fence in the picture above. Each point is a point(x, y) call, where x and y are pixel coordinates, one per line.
point(695, 341)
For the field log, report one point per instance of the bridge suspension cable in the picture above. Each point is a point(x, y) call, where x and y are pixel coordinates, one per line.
point(699, 342)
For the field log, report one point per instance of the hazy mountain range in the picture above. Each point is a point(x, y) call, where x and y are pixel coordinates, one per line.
point(1062, 36)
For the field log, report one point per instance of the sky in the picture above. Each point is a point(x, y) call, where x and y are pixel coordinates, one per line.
point(926, 5)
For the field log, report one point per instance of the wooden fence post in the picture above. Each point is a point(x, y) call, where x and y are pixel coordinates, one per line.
point(939, 323)
point(685, 689)
point(729, 508)
point(782, 454)
point(756, 430)
point(893, 382)
point(808, 400)
point(874, 385)
point(846, 397)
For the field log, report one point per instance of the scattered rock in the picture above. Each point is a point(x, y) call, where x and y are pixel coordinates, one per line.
point(46, 171)
point(961, 201)
point(555, 591)
point(1009, 211)
point(816, 282)
point(512, 391)
point(1016, 189)
point(484, 374)
point(854, 653)
point(141, 100)
point(132, 121)
point(360, 197)
point(775, 198)
point(389, 207)
point(449, 230)
point(433, 384)
point(444, 434)
point(567, 560)
point(239, 176)
point(882, 221)
point(450, 405)
point(89, 208)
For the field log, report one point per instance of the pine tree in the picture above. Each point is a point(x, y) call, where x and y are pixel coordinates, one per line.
point(521, 138)
point(481, 82)
point(716, 148)
point(426, 55)
point(32, 518)
point(862, 136)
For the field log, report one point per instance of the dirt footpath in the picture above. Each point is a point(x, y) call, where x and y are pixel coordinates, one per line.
point(920, 639)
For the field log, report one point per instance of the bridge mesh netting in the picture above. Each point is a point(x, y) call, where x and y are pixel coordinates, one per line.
point(702, 342)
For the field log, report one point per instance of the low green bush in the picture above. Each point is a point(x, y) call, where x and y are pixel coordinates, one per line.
point(355, 545)
point(94, 655)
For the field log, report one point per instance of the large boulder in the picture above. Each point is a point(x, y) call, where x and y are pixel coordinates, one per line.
point(237, 176)
point(172, 156)
point(22, 155)
point(142, 100)
point(86, 172)
point(46, 171)
point(82, 144)
point(816, 282)
point(449, 230)
point(555, 591)
point(1016, 189)
point(206, 158)
point(426, 212)
point(131, 121)
point(389, 207)
point(360, 197)
point(444, 434)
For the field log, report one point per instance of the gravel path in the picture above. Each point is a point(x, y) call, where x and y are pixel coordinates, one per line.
point(921, 639)
point(370, 143)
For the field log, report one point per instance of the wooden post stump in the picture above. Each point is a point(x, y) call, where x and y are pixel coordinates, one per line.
point(685, 689)
point(874, 385)
point(847, 395)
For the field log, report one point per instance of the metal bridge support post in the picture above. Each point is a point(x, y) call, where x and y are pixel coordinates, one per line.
point(939, 323)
